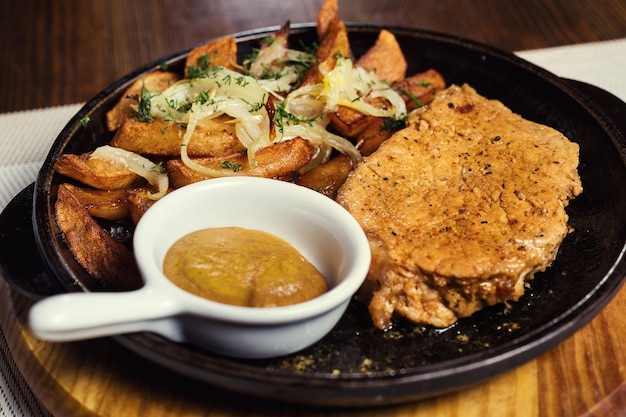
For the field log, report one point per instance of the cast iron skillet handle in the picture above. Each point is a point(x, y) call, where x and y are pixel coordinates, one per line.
point(78, 316)
point(20, 263)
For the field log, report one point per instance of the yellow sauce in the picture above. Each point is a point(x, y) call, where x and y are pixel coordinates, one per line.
point(242, 267)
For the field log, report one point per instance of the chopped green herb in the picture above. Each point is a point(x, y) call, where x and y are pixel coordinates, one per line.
point(411, 96)
point(394, 124)
point(254, 107)
point(301, 63)
point(202, 97)
point(144, 114)
point(284, 118)
point(230, 165)
point(200, 69)
point(85, 121)
point(182, 107)
point(160, 168)
point(242, 81)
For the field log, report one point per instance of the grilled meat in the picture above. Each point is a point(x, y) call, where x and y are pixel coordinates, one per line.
point(460, 208)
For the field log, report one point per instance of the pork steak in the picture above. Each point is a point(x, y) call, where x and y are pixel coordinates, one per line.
point(460, 208)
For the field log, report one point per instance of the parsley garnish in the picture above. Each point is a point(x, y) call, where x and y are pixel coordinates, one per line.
point(393, 124)
point(160, 168)
point(144, 114)
point(200, 69)
point(230, 165)
point(410, 95)
point(284, 118)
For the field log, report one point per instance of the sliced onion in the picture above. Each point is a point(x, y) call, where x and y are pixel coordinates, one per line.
point(226, 92)
point(317, 134)
point(137, 164)
point(348, 84)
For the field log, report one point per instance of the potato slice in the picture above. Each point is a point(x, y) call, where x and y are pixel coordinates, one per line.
point(100, 174)
point(138, 202)
point(154, 82)
point(272, 56)
point(419, 89)
point(275, 161)
point(109, 205)
point(327, 178)
point(211, 138)
point(328, 12)
point(220, 52)
point(334, 44)
point(373, 135)
point(385, 58)
point(106, 259)
point(349, 122)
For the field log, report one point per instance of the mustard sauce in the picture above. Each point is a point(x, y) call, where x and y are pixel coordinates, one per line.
point(242, 267)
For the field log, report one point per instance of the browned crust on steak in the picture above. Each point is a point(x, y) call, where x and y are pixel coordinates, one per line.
point(460, 208)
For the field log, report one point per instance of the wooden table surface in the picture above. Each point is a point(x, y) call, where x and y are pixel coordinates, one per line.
point(64, 52)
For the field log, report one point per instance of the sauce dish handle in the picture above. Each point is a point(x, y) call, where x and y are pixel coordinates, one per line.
point(77, 316)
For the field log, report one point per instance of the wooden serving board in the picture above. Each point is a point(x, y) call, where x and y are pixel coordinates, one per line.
point(584, 375)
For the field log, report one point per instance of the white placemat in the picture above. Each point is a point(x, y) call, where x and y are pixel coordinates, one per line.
point(602, 64)
point(25, 138)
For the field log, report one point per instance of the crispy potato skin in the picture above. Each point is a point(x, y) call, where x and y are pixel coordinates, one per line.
point(154, 82)
point(385, 58)
point(220, 52)
point(328, 12)
point(99, 174)
point(164, 138)
point(102, 256)
point(109, 205)
point(327, 178)
point(419, 89)
point(349, 122)
point(334, 43)
point(372, 137)
point(280, 160)
point(368, 131)
point(138, 203)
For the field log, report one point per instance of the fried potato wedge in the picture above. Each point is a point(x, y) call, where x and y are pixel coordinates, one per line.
point(104, 204)
point(416, 91)
point(106, 259)
point(419, 89)
point(334, 44)
point(373, 136)
point(328, 12)
point(211, 138)
point(327, 178)
point(103, 175)
point(138, 202)
point(275, 161)
point(220, 52)
point(268, 61)
point(154, 82)
point(349, 122)
point(385, 58)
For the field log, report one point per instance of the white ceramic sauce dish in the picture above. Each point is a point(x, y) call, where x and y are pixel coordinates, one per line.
point(319, 228)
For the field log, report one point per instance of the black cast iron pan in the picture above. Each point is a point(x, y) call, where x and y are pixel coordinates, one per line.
point(357, 365)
